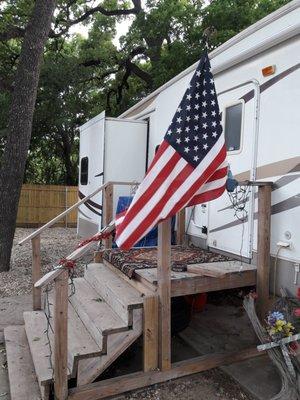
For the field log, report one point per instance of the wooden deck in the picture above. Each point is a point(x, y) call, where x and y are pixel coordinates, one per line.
point(153, 289)
point(229, 275)
point(184, 283)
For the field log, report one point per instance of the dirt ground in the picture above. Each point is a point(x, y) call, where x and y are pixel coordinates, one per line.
point(210, 385)
point(57, 243)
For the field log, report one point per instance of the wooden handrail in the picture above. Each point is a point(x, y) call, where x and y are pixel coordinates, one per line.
point(73, 207)
point(50, 276)
point(59, 276)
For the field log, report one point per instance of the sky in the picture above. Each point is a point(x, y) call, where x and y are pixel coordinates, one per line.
point(122, 29)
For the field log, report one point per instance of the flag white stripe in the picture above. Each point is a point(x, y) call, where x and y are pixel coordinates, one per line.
point(212, 185)
point(119, 220)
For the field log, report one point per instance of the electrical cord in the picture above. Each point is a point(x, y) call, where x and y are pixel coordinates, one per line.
point(188, 224)
point(238, 199)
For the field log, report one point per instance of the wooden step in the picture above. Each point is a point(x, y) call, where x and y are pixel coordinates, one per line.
point(22, 378)
point(120, 295)
point(36, 326)
point(98, 318)
point(89, 370)
point(80, 343)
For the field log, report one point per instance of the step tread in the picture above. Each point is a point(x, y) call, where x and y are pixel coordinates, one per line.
point(118, 293)
point(96, 315)
point(22, 378)
point(36, 325)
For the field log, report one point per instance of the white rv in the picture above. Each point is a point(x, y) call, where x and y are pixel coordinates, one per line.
point(257, 77)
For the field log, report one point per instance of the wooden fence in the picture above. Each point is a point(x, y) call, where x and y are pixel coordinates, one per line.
point(40, 203)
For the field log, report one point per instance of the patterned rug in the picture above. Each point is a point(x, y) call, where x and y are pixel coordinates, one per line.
point(146, 257)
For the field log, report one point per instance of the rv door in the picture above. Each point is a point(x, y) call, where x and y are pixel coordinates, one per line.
point(230, 231)
point(91, 164)
point(111, 149)
point(124, 154)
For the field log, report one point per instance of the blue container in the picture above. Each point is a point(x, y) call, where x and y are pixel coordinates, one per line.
point(150, 240)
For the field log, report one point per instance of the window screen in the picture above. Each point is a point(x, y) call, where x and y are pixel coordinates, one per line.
point(84, 170)
point(233, 126)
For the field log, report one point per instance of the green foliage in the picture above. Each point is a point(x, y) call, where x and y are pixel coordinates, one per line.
point(228, 17)
point(83, 76)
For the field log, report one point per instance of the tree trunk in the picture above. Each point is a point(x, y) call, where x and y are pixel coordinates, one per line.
point(20, 123)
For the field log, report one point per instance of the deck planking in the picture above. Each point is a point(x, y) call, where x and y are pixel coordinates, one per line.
point(237, 274)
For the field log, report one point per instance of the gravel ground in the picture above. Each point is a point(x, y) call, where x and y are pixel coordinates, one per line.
point(209, 385)
point(57, 243)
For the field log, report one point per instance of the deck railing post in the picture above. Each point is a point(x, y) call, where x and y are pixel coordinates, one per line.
point(36, 272)
point(180, 232)
point(150, 329)
point(108, 211)
point(263, 248)
point(61, 336)
point(164, 294)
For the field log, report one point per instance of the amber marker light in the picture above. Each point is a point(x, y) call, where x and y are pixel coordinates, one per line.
point(269, 70)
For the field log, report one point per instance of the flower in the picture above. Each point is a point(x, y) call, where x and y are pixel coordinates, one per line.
point(273, 317)
point(293, 346)
point(297, 312)
point(278, 327)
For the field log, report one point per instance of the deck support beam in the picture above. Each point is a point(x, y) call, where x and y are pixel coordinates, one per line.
point(150, 331)
point(125, 383)
point(263, 248)
point(164, 294)
point(61, 337)
point(180, 232)
point(108, 211)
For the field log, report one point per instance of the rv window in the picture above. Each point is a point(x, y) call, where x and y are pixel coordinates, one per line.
point(84, 171)
point(233, 126)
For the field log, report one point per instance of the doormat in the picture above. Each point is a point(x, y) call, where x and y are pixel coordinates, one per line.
point(146, 257)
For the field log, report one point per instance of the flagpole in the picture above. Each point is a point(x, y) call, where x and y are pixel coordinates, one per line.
point(164, 294)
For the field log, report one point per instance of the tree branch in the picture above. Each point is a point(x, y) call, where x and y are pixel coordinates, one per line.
point(134, 10)
point(12, 32)
point(101, 77)
point(142, 74)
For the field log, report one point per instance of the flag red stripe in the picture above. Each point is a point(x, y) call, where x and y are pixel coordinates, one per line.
point(218, 174)
point(146, 196)
point(152, 216)
point(207, 196)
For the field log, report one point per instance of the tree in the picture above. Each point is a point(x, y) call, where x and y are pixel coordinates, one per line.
point(20, 122)
point(23, 96)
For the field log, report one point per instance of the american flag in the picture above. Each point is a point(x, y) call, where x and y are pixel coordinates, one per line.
point(189, 167)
